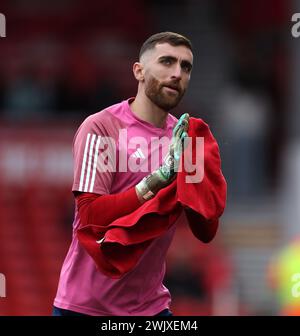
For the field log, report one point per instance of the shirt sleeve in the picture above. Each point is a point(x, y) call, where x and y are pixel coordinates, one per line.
point(93, 156)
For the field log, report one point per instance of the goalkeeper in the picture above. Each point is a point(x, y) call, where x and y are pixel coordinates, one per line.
point(163, 73)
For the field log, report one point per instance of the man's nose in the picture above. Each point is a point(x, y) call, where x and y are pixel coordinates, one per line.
point(176, 71)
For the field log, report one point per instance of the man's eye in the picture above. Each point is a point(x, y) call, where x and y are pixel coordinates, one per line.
point(166, 61)
point(186, 68)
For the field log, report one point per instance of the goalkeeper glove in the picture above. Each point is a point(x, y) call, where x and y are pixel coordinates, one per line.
point(148, 187)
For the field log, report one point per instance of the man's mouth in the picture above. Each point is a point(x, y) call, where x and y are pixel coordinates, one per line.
point(172, 88)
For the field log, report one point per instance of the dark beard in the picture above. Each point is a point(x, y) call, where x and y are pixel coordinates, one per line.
point(154, 91)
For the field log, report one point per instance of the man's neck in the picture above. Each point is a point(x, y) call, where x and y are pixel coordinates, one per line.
point(144, 109)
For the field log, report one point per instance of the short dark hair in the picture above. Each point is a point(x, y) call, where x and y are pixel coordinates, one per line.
point(173, 39)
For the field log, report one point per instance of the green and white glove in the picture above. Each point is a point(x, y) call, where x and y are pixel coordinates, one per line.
point(166, 173)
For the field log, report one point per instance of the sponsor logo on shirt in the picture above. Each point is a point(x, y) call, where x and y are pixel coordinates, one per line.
point(138, 154)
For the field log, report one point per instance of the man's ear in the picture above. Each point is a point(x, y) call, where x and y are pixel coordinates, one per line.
point(138, 71)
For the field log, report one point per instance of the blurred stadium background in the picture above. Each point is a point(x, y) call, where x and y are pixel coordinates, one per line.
point(63, 60)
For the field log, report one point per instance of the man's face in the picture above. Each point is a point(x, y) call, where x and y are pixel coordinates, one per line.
point(167, 71)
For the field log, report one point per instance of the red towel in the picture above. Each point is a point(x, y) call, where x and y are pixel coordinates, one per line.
point(127, 237)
